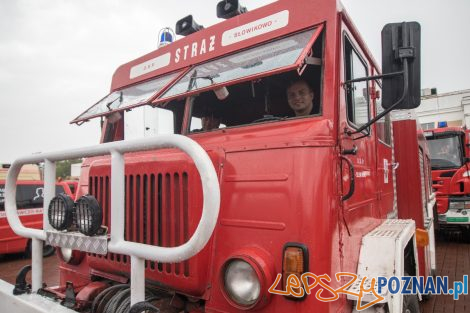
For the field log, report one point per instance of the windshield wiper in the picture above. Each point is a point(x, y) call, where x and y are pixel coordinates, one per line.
point(111, 102)
point(194, 78)
point(192, 81)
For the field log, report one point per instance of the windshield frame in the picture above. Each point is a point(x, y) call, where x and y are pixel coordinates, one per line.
point(299, 64)
point(181, 72)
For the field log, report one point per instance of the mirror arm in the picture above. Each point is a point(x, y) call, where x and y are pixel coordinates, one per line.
point(389, 109)
point(388, 75)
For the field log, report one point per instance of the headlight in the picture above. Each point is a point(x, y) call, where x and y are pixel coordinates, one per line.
point(60, 212)
point(88, 215)
point(456, 205)
point(241, 282)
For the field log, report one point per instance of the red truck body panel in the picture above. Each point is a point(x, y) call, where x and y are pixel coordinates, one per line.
point(413, 180)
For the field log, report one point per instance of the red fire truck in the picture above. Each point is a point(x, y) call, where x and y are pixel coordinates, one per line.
point(203, 219)
point(449, 148)
point(29, 201)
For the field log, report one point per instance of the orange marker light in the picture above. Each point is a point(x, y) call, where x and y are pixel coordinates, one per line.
point(293, 263)
point(422, 237)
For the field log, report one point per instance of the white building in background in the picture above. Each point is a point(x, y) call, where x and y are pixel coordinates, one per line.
point(451, 107)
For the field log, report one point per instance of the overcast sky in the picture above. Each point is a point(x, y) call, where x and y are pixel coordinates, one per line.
point(57, 56)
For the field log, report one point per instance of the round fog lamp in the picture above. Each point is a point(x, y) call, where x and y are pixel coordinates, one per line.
point(88, 215)
point(60, 213)
point(241, 282)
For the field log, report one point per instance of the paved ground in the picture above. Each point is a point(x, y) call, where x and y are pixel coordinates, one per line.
point(453, 260)
point(11, 264)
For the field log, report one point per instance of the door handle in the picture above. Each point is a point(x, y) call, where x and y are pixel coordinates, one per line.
point(352, 174)
point(352, 151)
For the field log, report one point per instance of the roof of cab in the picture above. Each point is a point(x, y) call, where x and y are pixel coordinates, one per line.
point(263, 24)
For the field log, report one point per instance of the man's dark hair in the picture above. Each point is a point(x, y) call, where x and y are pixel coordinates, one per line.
point(293, 82)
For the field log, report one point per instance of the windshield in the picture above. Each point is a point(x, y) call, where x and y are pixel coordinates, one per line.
point(268, 57)
point(446, 152)
point(128, 97)
point(269, 98)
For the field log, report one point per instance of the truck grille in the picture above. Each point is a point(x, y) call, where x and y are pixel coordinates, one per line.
point(156, 214)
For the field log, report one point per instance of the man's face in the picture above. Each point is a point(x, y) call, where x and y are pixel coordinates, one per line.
point(300, 98)
point(210, 122)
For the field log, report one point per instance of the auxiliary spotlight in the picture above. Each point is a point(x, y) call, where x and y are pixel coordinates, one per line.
point(60, 213)
point(88, 215)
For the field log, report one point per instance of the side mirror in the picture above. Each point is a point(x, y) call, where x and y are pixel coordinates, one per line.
point(401, 52)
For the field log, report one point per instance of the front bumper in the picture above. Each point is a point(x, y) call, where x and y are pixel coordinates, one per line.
point(461, 217)
point(27, 303)
point(458, 212)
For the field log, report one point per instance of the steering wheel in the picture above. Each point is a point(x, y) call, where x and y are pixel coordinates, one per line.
point(267, 118)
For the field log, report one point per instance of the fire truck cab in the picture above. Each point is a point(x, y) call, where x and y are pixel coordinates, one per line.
point(265, 149)
point(449, 148)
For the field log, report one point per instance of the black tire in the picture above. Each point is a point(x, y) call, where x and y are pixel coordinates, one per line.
point(47, 250)
point(411, 304)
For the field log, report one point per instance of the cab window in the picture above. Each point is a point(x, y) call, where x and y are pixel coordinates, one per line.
point(356, 93)
point(263, 99)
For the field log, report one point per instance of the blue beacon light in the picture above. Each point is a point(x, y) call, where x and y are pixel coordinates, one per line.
point(165, 37)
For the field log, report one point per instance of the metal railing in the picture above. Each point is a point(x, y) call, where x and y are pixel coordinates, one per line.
point(138, 252)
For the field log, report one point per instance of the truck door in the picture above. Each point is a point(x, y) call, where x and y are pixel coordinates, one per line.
point(385, 161)
point(358, 149)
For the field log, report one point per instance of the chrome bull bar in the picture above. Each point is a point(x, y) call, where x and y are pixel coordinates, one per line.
point(117, 244)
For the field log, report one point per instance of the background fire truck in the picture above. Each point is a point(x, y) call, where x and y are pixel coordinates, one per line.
point(449, 148)
point(207, 221)
point(29, 201)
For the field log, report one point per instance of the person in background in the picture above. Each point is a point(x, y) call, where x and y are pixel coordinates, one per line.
point(210, 122)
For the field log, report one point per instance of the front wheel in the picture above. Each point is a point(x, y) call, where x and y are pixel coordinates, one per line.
point(410, 304)
point(47, 250)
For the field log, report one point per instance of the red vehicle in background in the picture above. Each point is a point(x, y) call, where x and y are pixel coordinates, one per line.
point(70, 186)
point(449, 149)
point(73, 187)
point(29, 201)
point(203, 220)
